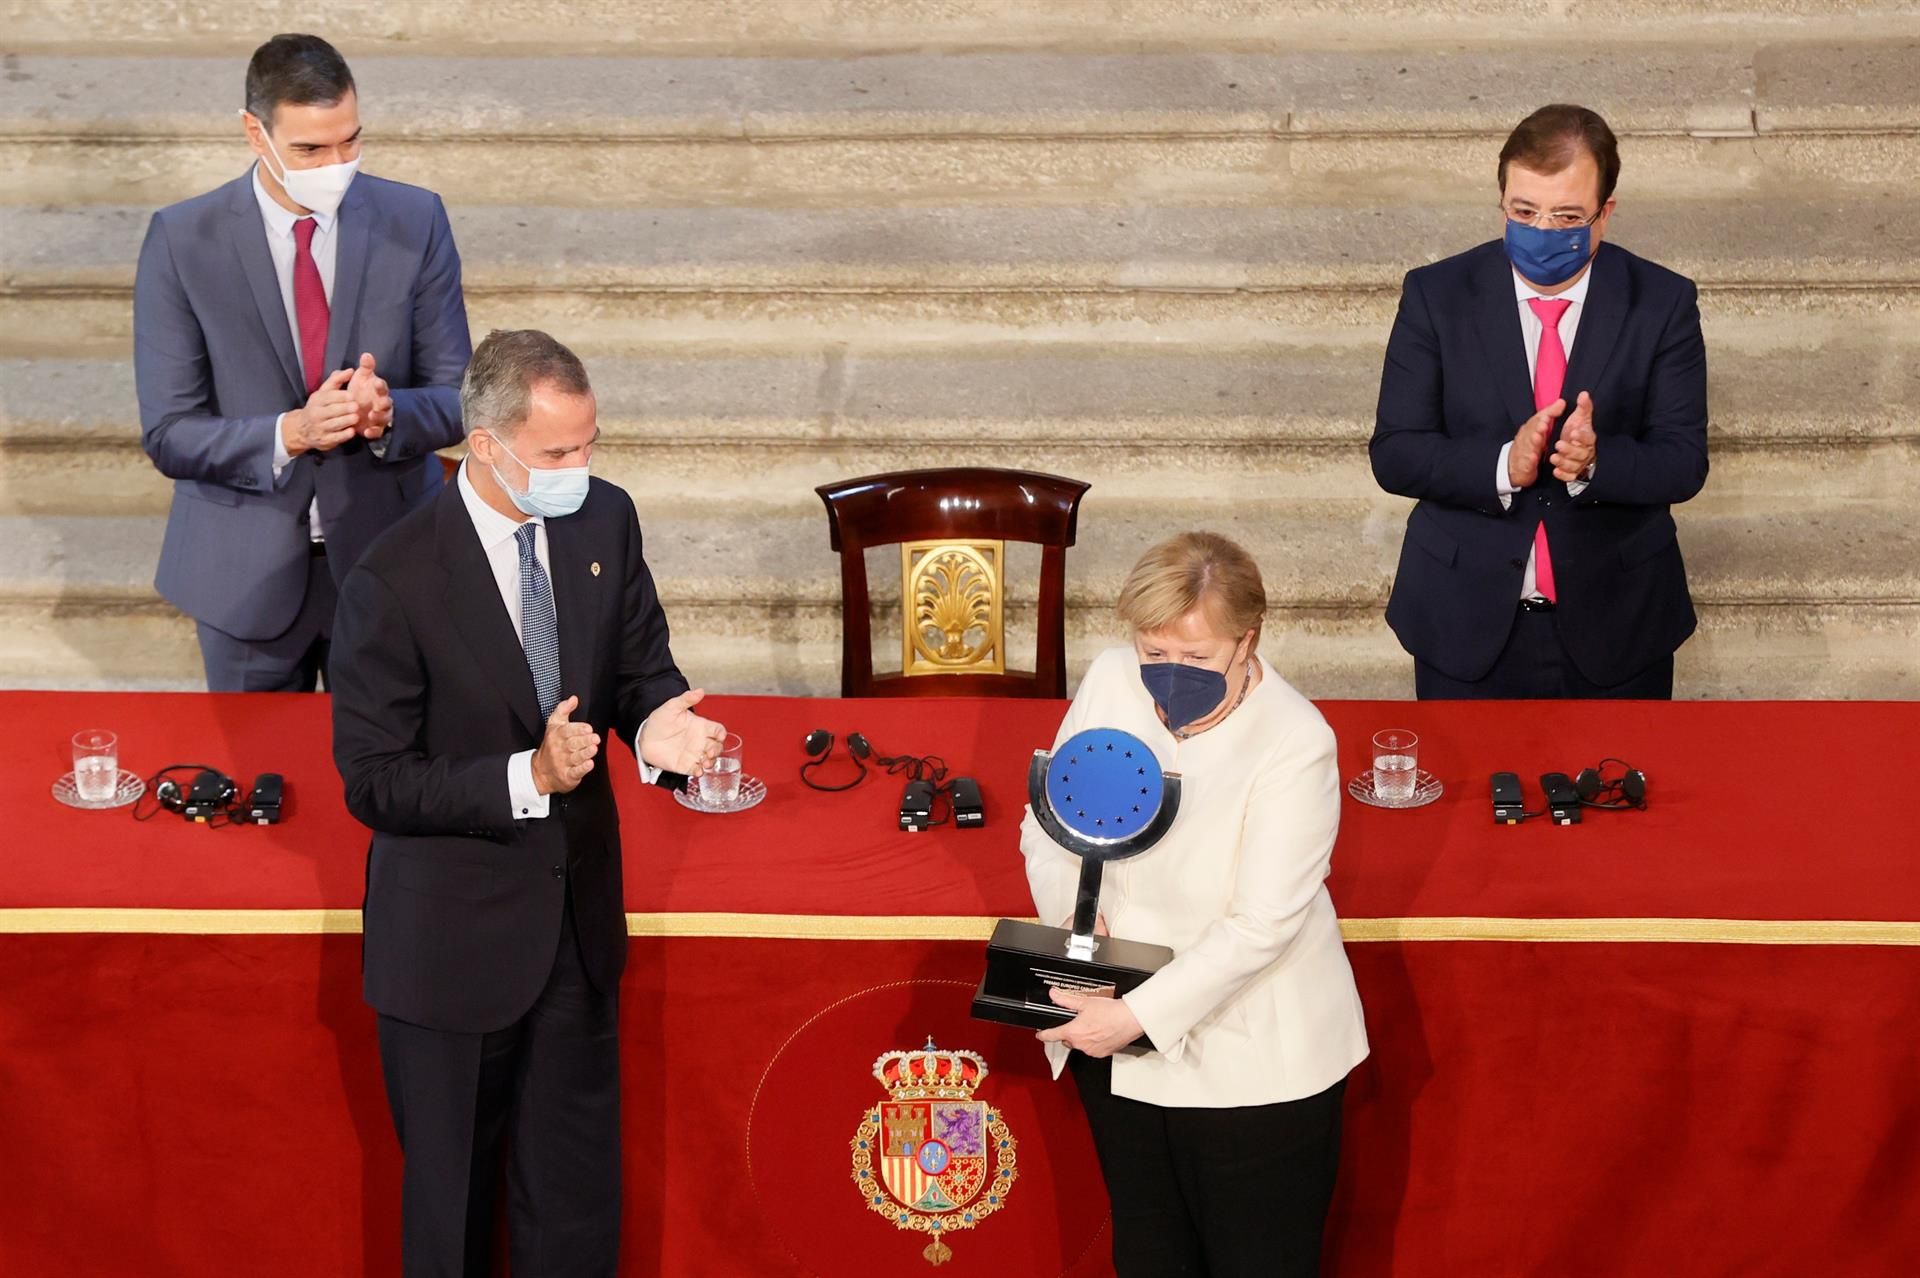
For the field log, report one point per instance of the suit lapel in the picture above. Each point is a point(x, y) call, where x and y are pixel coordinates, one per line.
point(1497, 320)
point(576, 603)
point(256, 262)
point(473, 602)
point(1598, 335)
point(349, 271)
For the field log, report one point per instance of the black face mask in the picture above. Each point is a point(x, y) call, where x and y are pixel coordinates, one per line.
point(1184, 693)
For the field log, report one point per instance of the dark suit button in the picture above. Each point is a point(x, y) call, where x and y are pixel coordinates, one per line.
point(559, 872)
point(1516, 563)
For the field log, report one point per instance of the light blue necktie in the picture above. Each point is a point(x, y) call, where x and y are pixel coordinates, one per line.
point(539, 629)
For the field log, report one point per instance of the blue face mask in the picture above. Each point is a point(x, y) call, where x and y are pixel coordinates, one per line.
point(551, 494)
point(1548, 258)
point(1184, 693)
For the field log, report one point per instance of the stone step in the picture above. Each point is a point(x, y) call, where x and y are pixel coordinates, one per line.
point(1723, 119)
point(74, 611)
point(710, 26)
point(1819, 409)
point(1334, 555)
point(1798, 239)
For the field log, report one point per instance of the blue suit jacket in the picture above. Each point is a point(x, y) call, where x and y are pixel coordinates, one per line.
point(1455, 389)
point(215, 364)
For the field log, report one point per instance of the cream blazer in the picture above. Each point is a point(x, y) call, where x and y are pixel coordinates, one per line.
point(1259, 1003)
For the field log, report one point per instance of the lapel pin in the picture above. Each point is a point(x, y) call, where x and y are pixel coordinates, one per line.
point(595, 568)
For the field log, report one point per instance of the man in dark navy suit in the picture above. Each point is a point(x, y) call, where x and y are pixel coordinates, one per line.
point(1545, 400)
point(484, 647)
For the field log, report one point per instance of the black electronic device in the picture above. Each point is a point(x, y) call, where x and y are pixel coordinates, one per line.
point(964, 796)
point(916, 806)
point(266, 799)
point(1563, 800)
point(1509, 802)
point(211, 794)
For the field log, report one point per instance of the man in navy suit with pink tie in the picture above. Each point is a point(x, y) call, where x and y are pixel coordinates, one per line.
point(1545, 400)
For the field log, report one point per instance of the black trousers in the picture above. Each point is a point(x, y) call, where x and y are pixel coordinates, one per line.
point(1533, 665)
point(544, 1094)
point(1213, 1193)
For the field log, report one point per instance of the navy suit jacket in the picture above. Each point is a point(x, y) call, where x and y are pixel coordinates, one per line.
point(1455, 389)
point(431, 695)
point(215, 363)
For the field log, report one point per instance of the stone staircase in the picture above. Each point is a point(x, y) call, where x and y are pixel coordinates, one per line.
point(1154, 244)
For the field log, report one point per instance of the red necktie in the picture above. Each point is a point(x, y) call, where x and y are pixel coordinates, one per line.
point(1549, 378)
point(310, 305)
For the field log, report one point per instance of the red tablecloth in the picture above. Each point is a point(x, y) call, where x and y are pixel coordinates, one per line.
point(191, 1104)
point(1761, 810)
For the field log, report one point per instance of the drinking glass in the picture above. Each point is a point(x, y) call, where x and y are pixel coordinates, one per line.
point(96, 764)
point(1396, 764)
point(720, 783)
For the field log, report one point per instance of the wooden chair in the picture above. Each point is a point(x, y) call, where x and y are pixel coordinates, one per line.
point(952, 526)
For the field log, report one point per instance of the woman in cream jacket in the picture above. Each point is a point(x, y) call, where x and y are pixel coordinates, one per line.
point(1220, 1146)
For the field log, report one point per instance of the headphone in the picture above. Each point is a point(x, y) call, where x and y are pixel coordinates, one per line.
point(209, 795)
point(1596, 790)
point(819, 744)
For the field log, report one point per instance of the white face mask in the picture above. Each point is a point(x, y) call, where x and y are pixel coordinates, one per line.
point(319, 189)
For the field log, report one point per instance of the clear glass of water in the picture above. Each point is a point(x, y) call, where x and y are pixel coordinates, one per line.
point(720, 783)
point(1396, 764)
point(96, 764)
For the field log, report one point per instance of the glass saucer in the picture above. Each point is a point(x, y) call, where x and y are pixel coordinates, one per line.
point(1426, 788)
point(752, 790)
point(128, 788)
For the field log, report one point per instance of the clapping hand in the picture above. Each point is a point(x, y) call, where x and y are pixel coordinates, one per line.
point(369, 391)
point(1574, 451)
point(330, 417)
point(1530, 444)
point(566, 751)
point(675, 739)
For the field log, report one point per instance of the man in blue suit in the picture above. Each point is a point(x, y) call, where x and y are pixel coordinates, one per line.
point(299, 338)
point(1545, 400)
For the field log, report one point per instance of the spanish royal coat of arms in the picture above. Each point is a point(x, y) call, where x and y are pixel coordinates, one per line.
point(930, 1157)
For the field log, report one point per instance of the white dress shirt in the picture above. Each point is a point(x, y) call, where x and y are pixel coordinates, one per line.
point(1259, 1003)
point(1530, 331)
point(499, 539)
point(282, 247)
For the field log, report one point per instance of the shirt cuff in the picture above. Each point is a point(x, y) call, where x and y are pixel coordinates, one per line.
point(649, 774)
point(280, 454)
point(1502, 484)
point(528, 803)
point(1577, 486)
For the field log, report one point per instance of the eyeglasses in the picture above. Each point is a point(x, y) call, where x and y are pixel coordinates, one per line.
point(1557, 220)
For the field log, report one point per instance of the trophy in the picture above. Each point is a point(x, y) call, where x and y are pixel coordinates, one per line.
point(1103, 797)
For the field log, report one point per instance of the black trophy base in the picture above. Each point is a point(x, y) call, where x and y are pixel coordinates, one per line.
point(1026, 960)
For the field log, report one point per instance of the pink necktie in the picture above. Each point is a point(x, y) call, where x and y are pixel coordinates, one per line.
point(310, 305)
point(1549, 377)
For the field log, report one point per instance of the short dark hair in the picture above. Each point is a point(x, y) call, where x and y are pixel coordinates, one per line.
point(497, 392)
point(302, 70)
point(1552, 138)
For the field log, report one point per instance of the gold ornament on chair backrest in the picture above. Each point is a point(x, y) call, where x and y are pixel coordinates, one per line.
point(954, 607)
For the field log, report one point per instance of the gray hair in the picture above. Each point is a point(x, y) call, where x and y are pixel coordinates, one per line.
point(497, 392)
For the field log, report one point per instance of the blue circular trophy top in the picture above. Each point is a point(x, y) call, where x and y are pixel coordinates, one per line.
point(1104, 785)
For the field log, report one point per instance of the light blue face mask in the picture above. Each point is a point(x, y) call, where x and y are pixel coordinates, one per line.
point(1548, 258)
point(551, 494)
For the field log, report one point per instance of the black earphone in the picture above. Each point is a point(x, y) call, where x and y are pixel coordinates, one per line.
point(819, 744)
point(209, 797)
point(1597, 790)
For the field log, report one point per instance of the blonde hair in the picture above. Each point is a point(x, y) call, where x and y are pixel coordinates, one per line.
point(1195, 569)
